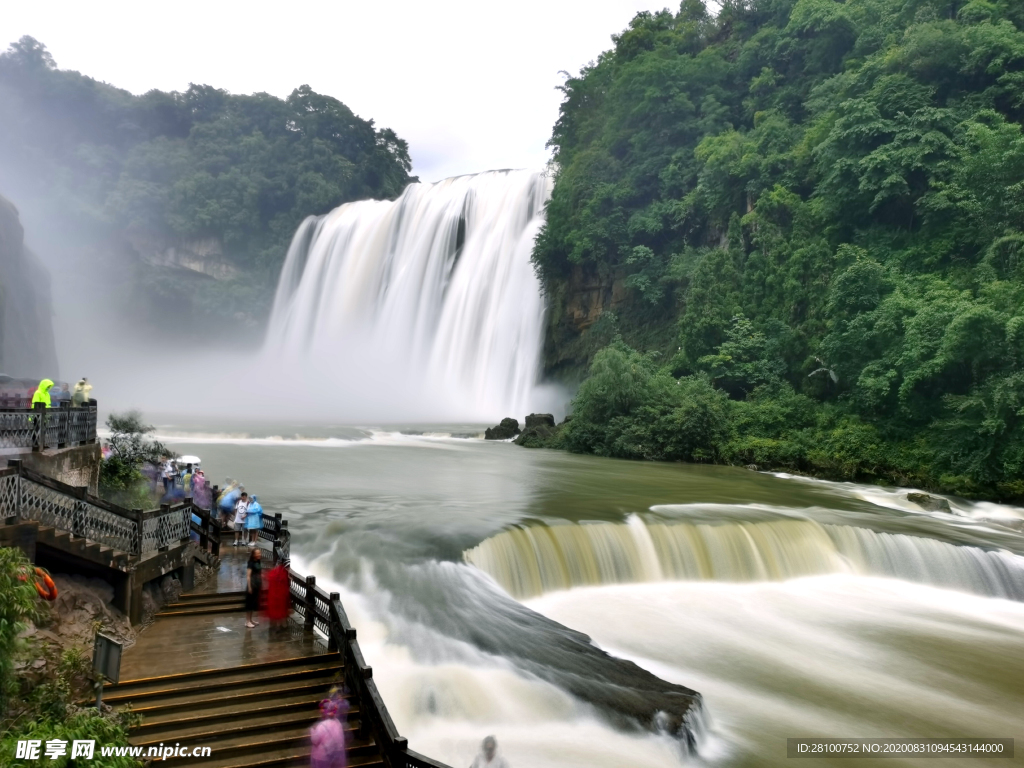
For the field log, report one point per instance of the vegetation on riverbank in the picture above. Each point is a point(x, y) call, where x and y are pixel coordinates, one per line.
point(41, 705)
point(815, 211)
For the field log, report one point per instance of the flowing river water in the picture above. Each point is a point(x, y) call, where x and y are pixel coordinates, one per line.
point(558, 601)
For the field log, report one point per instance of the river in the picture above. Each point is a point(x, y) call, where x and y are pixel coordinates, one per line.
point(795, 607)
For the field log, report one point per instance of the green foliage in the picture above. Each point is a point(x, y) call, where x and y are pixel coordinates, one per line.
point(629, 408)
point(81, 724)
point(120, 473)
point(825, 200)
point(245, 169)
point(46, 710)
point(18, 605)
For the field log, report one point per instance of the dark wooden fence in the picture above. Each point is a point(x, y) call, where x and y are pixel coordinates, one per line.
point(40, 428)
point(323, 613)
point(31, 496)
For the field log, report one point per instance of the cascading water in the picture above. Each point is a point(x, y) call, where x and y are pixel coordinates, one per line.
point(436, 289)
point(531, 560)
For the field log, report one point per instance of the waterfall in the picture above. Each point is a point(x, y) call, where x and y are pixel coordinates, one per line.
point(530, 560)
point(436, 288)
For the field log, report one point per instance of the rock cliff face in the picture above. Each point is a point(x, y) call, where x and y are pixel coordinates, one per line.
point(204, 255)
point(27, 345)
point(575, 327)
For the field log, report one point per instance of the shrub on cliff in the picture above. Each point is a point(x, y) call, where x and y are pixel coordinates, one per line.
point(630, 408)
point(46, 709)
point(120, 473)
point(18, 605)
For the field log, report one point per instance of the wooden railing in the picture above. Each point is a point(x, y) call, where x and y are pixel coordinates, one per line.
point(31, 496)
point(40, 427)
point(325, 614)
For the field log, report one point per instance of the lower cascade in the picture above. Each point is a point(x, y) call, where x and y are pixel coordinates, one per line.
point(436, 287)
point(531, 560)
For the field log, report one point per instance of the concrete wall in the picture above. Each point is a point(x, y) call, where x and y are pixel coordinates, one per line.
point(76, 466)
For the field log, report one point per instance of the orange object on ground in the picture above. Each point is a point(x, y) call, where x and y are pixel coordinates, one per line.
point(47, 590)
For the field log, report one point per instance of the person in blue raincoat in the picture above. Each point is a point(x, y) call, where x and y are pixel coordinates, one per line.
point(254, 520)
point(226, 503)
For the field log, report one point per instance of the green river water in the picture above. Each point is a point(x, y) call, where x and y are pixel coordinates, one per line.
point(796, 608)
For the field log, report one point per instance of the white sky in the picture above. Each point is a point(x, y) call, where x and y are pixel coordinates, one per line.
point(469, 84)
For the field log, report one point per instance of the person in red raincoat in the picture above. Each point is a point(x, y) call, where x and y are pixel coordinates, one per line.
point(278, 596)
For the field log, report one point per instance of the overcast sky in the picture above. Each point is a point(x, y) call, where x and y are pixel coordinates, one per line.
point(469, 84)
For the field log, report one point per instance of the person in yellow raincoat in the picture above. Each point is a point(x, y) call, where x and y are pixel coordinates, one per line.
point(42, 394)
point(81, 395)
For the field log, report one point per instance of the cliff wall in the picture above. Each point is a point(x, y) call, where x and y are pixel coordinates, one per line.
point(27, 345)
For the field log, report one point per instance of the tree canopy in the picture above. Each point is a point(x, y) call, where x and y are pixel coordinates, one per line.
point(245, 169)
point(818, 205)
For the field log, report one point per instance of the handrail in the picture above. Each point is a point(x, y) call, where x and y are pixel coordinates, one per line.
point(38, 427)
point(327, 614)
point(28, 494)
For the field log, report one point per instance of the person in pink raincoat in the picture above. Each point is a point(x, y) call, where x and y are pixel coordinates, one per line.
point(328, 738)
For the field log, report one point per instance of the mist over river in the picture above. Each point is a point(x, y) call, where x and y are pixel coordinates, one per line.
point(795, 607)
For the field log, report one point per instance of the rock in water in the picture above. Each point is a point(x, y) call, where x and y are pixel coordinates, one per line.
point(540, 427)
point(931, 503)
point(540, 420)
point(508, 429)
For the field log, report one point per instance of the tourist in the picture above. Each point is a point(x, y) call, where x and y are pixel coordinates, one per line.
point(241, 508)
point(226, 502)
point(489, 757)
point(167, 472)
point(186, 481)
point(254, 520)
point(81, 394)
point(328, 738)
point(279, 604)
point(58, 396)
point(200, 490)
point(253, 587)
point(42, 393)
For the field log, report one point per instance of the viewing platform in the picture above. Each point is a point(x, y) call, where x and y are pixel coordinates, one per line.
point(197, 674)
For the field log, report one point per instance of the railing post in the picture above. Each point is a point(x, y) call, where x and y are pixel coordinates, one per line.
point(139, 531)
point(92, 415)
point(310, 603)
point(190, 509)
point(39, 427)
point(65, 423)
point(335, 629)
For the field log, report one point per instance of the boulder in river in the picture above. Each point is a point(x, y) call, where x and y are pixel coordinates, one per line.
point(540, 428)
point(508, 429)
point(540, 420)
point(931, 503)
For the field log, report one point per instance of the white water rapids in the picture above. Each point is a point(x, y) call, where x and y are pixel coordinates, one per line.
point(430, 301)
point(530, 560)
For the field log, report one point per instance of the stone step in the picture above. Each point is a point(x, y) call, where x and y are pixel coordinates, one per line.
point(201, 610)
point(244, 676)
point(253, 747)
point(223, 709)
point(208, 598)
point(286, 757)
point(200, 732)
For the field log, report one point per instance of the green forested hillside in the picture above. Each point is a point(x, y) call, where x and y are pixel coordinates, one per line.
point(112, 167)
point(814, 210)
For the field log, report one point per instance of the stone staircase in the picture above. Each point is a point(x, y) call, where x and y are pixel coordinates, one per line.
point(251, 716)
point(201, 604)
point(87, 549)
